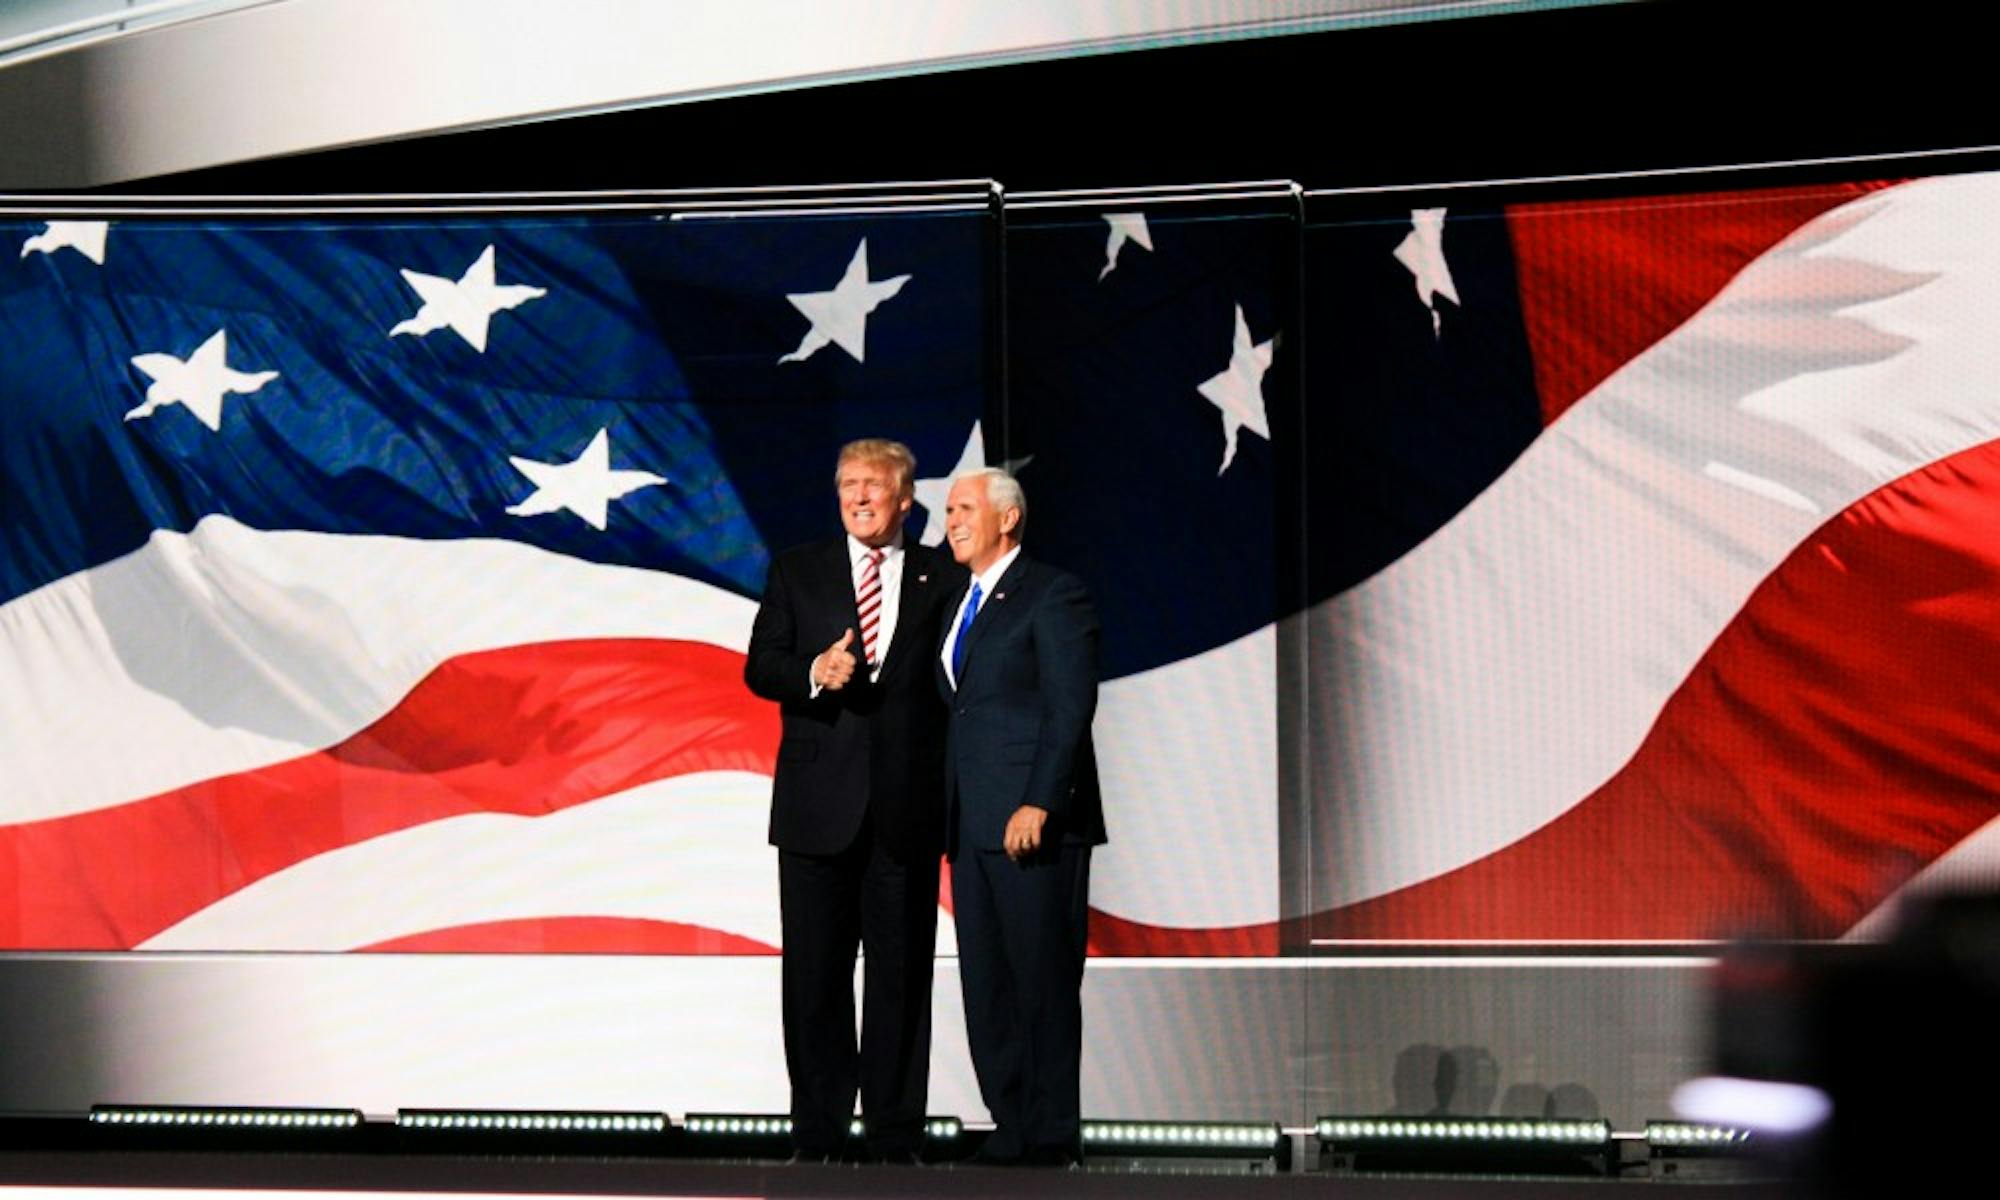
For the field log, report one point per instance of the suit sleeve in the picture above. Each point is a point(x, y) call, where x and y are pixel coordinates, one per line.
point(777, 668)
point(1065, 638)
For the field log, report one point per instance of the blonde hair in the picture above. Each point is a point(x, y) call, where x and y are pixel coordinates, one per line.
point(881, 450)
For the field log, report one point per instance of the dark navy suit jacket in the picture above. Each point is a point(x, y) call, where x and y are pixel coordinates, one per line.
point(870, 747)
point(1020, 715)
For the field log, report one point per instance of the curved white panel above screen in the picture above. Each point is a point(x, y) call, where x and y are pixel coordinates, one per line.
point(302, 75)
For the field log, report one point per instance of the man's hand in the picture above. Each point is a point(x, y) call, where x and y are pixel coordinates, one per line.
point(1024, 831)
point(835, 665)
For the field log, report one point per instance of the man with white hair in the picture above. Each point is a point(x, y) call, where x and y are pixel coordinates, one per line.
point(1018, 669)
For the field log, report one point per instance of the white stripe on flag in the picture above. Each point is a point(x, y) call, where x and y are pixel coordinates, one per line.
point(689, 849)
point(230, 648)
point(1187, 755)
point(1508, 666)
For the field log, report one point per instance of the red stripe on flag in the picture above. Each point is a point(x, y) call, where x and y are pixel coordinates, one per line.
point(1602, 280)
point(525, 730)
point(1841, 733)
point(577, 935)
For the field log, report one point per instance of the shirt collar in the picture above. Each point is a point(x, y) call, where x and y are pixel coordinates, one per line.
point(857, 550)
point(990, 577)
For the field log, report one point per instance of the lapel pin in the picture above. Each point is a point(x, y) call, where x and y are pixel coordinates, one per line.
point(923, 579)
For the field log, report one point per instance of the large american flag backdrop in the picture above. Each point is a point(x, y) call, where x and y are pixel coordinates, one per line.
point(382, 583)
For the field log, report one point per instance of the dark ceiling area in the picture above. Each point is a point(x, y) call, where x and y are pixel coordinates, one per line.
point(1667, 84)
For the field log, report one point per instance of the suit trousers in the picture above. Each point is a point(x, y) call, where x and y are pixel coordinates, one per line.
point(831, 904)
point(1022, 931)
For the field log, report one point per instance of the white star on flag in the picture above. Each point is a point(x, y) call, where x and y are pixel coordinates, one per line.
point(586, 485)
point(84, 237)
point(464, 305)
point(1124, 227)
point(1422, 251)
point(199, 381)
point(931, 492)
point(1239, 389)
point(841, 315)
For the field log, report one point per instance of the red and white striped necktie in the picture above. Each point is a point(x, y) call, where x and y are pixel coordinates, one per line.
point(868, 598)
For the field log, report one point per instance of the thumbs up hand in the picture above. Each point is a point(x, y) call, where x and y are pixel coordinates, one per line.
point(835, 664)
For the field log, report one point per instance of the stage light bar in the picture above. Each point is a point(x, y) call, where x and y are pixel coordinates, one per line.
point(1462, 1143)
point(1227, 1136)
point(943, 1129)
point(1692, 1150)
point(742, 1125)
point(767, 1125)
point(1423, 1130)
point(483, 1121)
point(1251, 1142)
point(1686, 1135)
point(188, 1117)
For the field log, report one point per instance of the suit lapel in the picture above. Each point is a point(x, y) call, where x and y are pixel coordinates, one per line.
point(1006, 591)
point(840, 598)
point(915, 586)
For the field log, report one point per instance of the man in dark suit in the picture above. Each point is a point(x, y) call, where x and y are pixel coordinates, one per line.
point(1019, 668)
point(843, 641)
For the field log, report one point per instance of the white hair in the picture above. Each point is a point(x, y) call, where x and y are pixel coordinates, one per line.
point(1003, 492)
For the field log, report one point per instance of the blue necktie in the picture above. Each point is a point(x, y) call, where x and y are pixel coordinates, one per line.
point(964, 628)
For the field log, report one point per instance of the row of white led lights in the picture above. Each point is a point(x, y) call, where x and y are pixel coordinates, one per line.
point(1134, 1133)
point(1580, 1132)
point(542, 1122)
point(1094, 1132)
point(475, 1121)
point(318, 1118)
point(1235, 1135)
point(1660, 1133)
point(943, 1128)
point(736, 1125)
point(243, 1118)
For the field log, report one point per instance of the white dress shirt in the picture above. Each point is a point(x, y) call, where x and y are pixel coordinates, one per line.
point(986, 579)
point(892, 594)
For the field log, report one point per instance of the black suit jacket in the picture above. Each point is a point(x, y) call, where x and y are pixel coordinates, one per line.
point(1020, 728)
point(868, 747)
